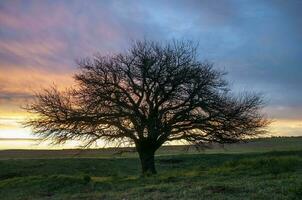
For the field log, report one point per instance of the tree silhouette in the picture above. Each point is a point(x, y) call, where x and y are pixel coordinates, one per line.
point(150, 95)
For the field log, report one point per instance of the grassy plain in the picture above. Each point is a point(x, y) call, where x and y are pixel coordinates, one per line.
point(259, 169)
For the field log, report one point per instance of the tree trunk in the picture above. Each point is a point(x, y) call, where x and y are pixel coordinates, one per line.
point(147, 161)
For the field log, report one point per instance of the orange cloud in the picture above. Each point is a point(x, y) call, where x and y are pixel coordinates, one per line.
point(17, 86)
point(25, 81)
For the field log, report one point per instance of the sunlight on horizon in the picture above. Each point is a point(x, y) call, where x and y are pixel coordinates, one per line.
point(14, 136)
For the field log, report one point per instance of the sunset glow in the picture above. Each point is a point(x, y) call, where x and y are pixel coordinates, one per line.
point(259, 44)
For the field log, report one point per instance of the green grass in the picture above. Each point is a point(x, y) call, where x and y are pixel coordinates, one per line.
point(253, 175)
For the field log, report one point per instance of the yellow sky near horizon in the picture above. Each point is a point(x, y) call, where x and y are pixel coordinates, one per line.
point(11, 127)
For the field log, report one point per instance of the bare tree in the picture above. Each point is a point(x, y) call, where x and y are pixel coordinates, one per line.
point(150, 95)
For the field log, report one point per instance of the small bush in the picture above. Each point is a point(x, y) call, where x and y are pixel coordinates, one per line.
point(86, 178)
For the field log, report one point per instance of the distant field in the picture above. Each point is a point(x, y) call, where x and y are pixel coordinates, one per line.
point(261, 169)
point(255, 145)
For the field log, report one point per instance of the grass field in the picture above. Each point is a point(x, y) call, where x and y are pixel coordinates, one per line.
point(261, 169)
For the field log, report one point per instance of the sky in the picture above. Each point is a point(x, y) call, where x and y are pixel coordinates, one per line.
point(258, 42)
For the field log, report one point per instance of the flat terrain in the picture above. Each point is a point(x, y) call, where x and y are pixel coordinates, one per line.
point(259, 169)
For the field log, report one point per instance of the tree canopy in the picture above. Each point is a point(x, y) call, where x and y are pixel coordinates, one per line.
point(149, 95)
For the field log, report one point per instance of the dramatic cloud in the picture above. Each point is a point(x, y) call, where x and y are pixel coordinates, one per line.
point(258, 42)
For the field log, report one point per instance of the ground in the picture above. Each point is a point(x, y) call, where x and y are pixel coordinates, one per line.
point(261, 169)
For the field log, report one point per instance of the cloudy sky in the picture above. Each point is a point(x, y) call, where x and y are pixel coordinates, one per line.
point(257, 41)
